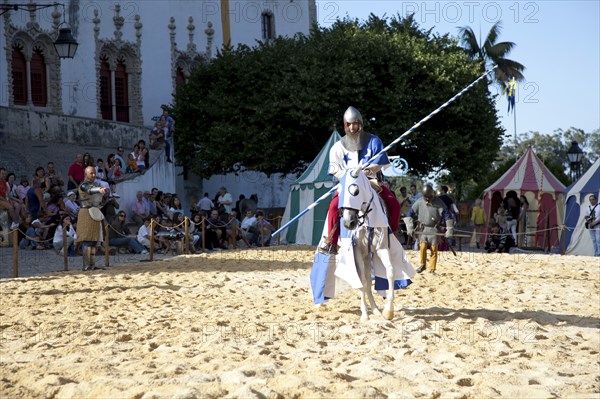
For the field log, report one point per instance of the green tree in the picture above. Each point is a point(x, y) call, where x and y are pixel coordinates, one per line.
point(270, 108)
point(491, 52)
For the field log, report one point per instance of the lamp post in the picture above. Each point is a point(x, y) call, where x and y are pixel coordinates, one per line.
point(65, 45)
point(575, 155)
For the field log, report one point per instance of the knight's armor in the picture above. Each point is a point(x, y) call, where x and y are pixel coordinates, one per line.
point(90, 195)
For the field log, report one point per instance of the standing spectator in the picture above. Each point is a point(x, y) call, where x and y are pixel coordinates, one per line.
point(35, 198)
point(522, 224)
point(88, 160)
point(52, 176)
point(414, 194)
point(139, 209)
point(89, 225)
point(76, 173)
point(478, 217)
point(592, 222)
point(169, 126)
point(512, 213)
point(205, 204)
point(119, 236)
point(225, 200)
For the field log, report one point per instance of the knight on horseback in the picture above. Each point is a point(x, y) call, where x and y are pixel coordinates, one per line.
point(355, 147)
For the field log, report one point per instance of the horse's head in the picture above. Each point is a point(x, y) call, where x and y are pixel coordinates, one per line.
point(356, 195)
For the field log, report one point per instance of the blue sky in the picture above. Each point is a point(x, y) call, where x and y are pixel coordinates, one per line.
point(557, 41)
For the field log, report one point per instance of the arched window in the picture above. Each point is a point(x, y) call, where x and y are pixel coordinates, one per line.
point(121, 92)
point(179, 78)
point(268, 25)
point(39, 88)
point(105, 90)
point(19, 76)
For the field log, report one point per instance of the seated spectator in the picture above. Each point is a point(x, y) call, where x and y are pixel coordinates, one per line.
point(195, 230)
point(71, 205)
point(12, 205)
point(111, 205)
point(265, 229)
point(250, 226)
point(37, 233)
point(116, 170)
point(143, 235)
point(139, 210)
point(132, 160)
point(119, 236)
point(120, 156)
point(498, 240)
point(58, 241)
point(216, 232)
point(239, 233)
point(52, 177)
point(23, 188)
point(157, 135)
point(144, 156)
point(101, 172)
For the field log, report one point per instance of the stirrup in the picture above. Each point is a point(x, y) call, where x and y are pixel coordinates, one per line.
point(328, 249)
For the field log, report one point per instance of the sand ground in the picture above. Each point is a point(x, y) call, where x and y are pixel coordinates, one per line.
point(242, 324)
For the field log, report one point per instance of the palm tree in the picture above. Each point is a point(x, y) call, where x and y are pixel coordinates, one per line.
point(492, 53)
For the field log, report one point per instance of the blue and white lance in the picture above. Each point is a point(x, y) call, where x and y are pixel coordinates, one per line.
point(393, 143)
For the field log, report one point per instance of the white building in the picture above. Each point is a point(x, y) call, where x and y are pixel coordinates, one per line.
point(130, 58)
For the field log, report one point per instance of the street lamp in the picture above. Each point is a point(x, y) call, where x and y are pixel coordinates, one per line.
point(575, 155)
point(65, 45)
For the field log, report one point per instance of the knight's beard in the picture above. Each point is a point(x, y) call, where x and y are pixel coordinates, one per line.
point(352, 141)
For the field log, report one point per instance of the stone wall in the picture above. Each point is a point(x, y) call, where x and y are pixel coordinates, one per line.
point(39, 126)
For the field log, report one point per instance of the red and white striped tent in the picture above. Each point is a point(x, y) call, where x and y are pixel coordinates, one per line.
point(544, 192)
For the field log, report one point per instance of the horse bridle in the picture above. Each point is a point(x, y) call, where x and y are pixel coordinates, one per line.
point(362, 215)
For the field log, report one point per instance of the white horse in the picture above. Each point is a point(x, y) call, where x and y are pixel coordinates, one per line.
point(367, 245)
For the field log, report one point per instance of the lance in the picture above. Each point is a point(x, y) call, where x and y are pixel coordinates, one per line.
point(393, 143)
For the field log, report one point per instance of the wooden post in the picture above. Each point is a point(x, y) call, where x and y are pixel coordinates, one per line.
point(65, 250)
point(233, 233)
point(186, 229)
point(203, 234)
point(278, 226)
point(564, 240)
point(151, 239)
point(15, 253)
point(106, 246)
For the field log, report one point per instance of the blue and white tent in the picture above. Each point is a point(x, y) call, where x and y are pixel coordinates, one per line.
point(314, 182)
point(577, 238)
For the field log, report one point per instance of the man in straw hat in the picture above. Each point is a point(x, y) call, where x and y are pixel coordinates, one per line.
point(89, 217)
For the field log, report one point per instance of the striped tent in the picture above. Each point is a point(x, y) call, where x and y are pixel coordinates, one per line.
point(544, 192)
point(577, 238)
point(314, 182)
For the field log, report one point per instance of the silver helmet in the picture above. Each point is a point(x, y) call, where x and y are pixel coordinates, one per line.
point(352, 115)
point(428, 192)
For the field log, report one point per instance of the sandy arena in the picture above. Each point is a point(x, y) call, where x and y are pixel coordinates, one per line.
point(242, 324)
